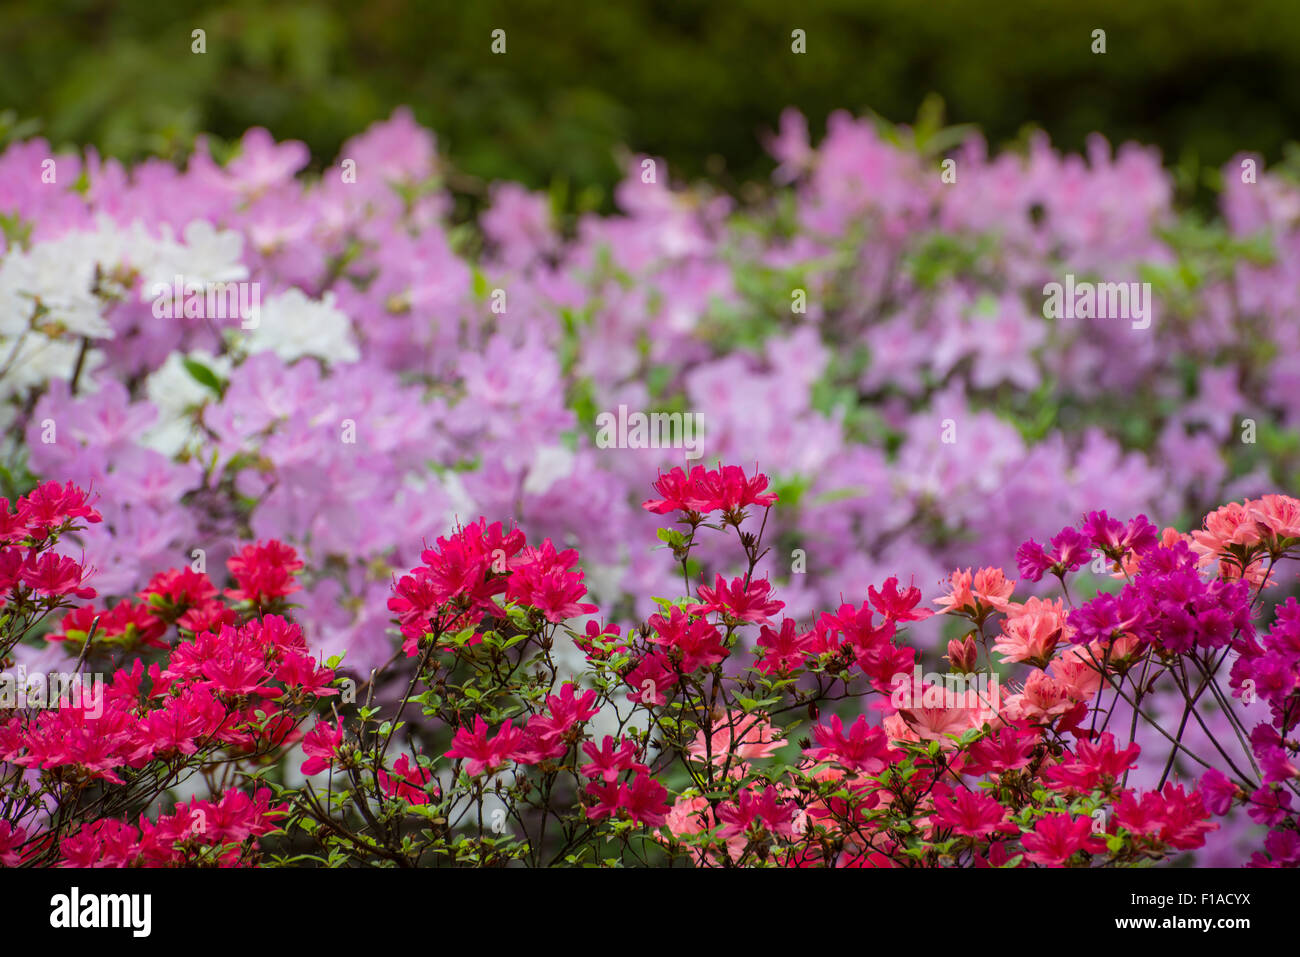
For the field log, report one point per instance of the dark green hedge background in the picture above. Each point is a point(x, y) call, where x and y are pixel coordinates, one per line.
point(692, 81)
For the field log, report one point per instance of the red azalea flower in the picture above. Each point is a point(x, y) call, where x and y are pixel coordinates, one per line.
point(647, 801)
point(185, 720)
point(698, 642)
point(180, 587)
point(608, 763)
point(864, 748)
point(301, 672)
point(676, 490)
point(13, 528)
point(479, 753)
point(236, 675)
point(209, 616)
point(554, 592)
point(55, 576)
point(708, 490)
point(898, 607)
point(102, 843)
point(749, 602)
point(407, 782)
point(644, 799)
point(775, 816)
point(12, 839)
point(321, 744)
point(12, 561)
point(970, 813)
point(783, 650)
point(50, 505)
point(263, 572)
point(651, 679)
point(1056, 837)
point(596, 632)
point(1007, 749)
point(1093, 764)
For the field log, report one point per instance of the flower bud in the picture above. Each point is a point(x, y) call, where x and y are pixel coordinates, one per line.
point(963, 654)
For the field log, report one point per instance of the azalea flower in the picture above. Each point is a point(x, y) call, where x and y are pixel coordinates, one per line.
point(1057, 837)
point(481, 754)
point(321, 745)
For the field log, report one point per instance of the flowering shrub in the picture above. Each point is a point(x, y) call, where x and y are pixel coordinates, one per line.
point(341, 368)
point(719, 732)
point(231, 692)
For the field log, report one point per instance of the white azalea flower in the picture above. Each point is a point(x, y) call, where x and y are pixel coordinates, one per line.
point(292, 326)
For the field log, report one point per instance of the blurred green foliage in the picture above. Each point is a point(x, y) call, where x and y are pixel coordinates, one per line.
point(695, 82)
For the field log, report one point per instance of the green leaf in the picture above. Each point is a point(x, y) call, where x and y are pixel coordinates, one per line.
point(202, 375)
